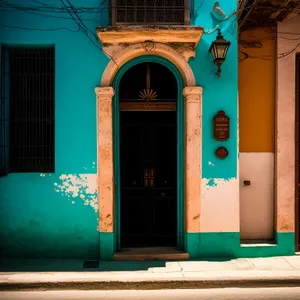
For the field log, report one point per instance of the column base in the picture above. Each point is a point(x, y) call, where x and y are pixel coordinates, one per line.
point(107, 245)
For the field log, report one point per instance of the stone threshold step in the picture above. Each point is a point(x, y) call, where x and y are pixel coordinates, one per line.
point(257, 243)
point(151, 253)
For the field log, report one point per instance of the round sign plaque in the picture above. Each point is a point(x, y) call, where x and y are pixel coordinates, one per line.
point(222, 152)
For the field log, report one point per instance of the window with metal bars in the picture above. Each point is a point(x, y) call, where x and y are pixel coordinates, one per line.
point(27, 110)
point(137, 12)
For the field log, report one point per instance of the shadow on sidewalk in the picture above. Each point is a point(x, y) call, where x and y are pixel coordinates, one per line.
point(80, 265)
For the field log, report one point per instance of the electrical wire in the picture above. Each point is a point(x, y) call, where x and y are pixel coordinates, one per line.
point(39, 29)
point(38, 2)
point(199, 7)
point(72, 11)
point(53, 16)
point(56, 9)
point(86, 30)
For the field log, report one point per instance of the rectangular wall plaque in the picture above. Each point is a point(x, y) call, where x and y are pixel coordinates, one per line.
point(221, 126)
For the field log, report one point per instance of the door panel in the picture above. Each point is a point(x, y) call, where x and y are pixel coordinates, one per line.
point(149, 179)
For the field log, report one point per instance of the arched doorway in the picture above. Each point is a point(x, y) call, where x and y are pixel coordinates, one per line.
point(167, 110)
point(188, 160)
point(148, 156)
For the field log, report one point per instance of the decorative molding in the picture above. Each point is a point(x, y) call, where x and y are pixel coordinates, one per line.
point(104, 94)
point(104, 91)
point(149, 45)
point(183, 39)
point(193, 94)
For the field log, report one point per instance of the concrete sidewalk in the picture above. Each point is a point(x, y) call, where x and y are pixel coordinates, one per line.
point(70, 274)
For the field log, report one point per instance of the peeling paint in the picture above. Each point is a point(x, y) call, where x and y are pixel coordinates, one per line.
point(211, 182)
point(79, 186)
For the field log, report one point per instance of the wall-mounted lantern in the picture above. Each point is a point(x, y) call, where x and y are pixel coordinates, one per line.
point(218, 50)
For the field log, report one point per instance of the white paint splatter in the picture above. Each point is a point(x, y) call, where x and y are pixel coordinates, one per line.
point(211, 164)
point(82, 186)
point(42, 175)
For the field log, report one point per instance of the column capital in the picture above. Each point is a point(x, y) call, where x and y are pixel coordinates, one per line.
point(104, 92)
point(193, 91)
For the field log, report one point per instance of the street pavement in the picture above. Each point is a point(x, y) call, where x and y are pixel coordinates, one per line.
point(207, 274)
point(212, 294)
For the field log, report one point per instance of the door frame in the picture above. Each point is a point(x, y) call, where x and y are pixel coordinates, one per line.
point(180, 146)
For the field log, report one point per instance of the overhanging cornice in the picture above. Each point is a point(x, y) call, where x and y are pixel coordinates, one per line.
point(184, 39)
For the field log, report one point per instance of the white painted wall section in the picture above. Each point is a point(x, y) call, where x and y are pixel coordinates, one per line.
point(257, 200)
point(219, 205)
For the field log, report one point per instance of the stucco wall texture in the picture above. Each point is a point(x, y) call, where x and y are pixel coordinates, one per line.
point(285, 134)
point(56, 215)
point(257, 100)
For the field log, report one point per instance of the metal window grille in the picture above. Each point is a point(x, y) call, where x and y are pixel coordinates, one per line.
point(168, 12)
point(30, 91)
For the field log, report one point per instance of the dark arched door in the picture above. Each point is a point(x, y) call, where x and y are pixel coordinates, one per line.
point(148, 152)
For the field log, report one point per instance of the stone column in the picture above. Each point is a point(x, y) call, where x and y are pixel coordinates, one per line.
point(105, 158)
point(193, 157)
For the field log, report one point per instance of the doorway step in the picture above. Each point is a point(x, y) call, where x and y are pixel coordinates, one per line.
point(151, 253)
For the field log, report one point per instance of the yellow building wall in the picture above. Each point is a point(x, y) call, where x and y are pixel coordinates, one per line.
point(257, 91)
point(257, 80)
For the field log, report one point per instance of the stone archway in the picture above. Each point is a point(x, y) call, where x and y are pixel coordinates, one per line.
point(193, 137)
point(140, 49)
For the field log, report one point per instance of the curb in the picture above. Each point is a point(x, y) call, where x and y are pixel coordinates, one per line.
point(150, 284)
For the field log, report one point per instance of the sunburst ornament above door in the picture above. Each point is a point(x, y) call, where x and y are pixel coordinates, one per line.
point(148, 95)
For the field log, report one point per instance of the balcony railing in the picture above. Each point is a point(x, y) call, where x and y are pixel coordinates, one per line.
point(150, 12)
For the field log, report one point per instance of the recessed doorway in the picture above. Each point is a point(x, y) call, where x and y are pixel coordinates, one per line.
point(148, 157)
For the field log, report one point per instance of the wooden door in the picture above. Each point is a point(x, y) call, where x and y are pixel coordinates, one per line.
point(148, 179)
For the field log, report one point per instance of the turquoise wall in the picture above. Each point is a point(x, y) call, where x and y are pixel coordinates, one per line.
point(218, 93)
point(35, 219)
point(40, 216)
point(227, 245)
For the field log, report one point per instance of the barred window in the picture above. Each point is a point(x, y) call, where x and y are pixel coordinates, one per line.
point(27, 108)
point(131, 12)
